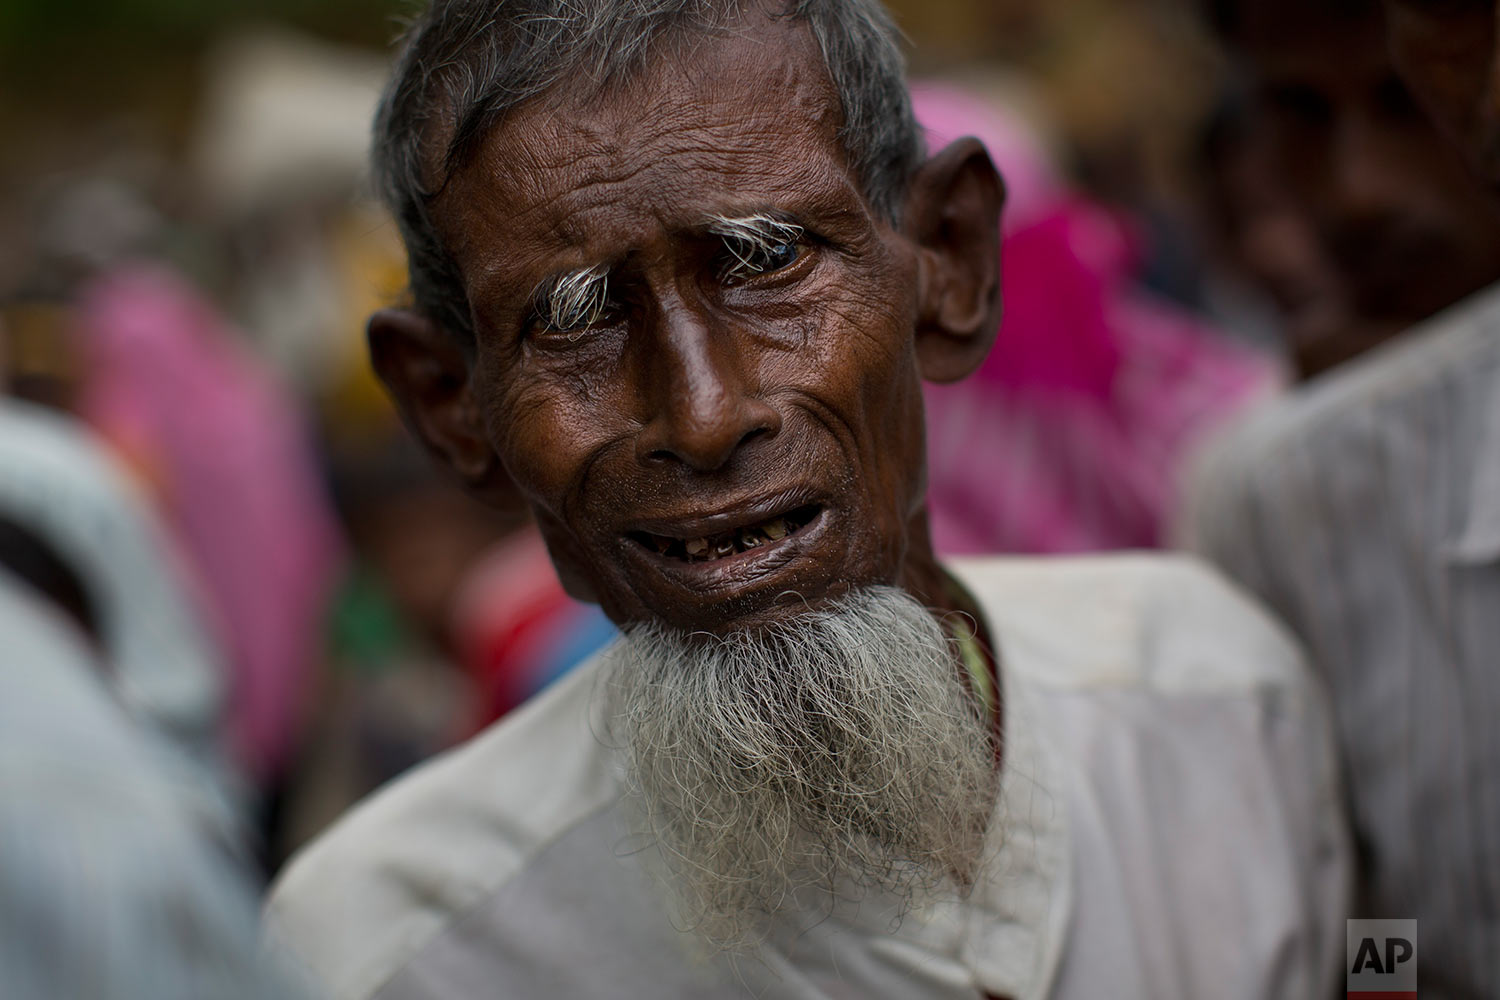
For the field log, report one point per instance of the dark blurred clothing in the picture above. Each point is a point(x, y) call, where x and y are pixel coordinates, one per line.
point(1366, 510)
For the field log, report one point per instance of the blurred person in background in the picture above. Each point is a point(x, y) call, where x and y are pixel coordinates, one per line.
point(1395, 209)
point(1448, 55)
point(222, 450)
point(1073, 434)
point(1366, 508)
point(124, 868)
point(447, 617)
point(679, 294)
point(1269, 276)
point(392, 692)
point(451, 617)
point(63, 487)
point(220, 446)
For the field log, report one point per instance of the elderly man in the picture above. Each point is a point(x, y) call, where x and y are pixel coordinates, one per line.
point(678, 269)
point(1366, 509)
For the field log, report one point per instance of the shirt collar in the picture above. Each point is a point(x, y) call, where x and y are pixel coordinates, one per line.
point(1006, 938)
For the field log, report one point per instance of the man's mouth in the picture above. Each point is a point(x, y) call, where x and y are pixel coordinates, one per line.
point(708, 548)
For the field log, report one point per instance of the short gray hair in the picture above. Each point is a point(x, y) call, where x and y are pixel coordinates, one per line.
point(465, 64)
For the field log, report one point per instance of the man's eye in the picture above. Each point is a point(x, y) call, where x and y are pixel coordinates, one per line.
point(574, 329)
point(576, 304)
point(754, 245)
point(744, 259)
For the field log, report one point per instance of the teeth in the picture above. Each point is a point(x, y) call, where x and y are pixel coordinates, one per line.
point(719, 546)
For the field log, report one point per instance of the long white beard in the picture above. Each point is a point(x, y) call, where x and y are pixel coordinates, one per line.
point(837, 749)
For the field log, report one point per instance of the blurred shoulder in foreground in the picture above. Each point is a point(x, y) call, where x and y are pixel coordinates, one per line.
point(119, 867)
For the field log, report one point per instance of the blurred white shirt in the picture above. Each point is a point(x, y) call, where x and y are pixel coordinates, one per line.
point(117, 879)
point(1168, 827)
point(1365, 510)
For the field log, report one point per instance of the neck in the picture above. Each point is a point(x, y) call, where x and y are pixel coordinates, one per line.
point(924, 578)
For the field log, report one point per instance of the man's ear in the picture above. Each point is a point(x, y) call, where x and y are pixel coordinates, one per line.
point(425, 369)
point(953, 217)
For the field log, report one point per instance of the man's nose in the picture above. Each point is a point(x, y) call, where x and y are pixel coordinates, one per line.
point(703, 408)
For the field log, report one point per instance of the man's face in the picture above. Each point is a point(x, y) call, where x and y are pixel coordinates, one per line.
point(1394, 205)
point(1446, 52)
point(730, 421)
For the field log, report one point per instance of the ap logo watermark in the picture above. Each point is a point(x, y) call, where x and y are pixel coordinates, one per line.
point(1380, 959)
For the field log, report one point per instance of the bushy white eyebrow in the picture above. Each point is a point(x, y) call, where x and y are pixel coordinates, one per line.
point(578, 299)
point(746, 236)
point(574, 301)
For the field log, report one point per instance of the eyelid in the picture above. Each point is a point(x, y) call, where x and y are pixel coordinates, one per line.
point(737, 273)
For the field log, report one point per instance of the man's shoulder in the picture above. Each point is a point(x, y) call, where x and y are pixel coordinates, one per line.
point(1285, 477)
point(1429, 362)
point(358, 903)
point(1175, 731)
point(1161, 623)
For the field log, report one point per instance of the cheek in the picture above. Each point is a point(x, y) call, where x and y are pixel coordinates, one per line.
point(908, 449)
point(884, 397)
point(538, 434)
point(878, 397)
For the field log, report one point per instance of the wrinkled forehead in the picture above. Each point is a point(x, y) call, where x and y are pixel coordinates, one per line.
point(733, 121)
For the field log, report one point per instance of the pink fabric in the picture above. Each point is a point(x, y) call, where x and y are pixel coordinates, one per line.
point(1032, 186)
point(1072, 435)
point(224, 450)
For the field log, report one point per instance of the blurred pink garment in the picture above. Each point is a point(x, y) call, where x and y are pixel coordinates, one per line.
point(1073, 434)
point(1033, 185)
point(224, 450)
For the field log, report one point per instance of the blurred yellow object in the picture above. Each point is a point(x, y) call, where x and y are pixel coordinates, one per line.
point(37, 340)
point(371, 267)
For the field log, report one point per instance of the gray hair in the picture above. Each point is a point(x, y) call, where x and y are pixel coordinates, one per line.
point(466, 63)
point(792, 768)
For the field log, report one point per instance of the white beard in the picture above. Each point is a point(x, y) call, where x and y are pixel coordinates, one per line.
point(838, 748)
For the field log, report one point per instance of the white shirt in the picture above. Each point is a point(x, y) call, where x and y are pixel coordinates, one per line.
point(70, 491)
point(1365, 510)
point(1167, 828)
point(118, 879)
